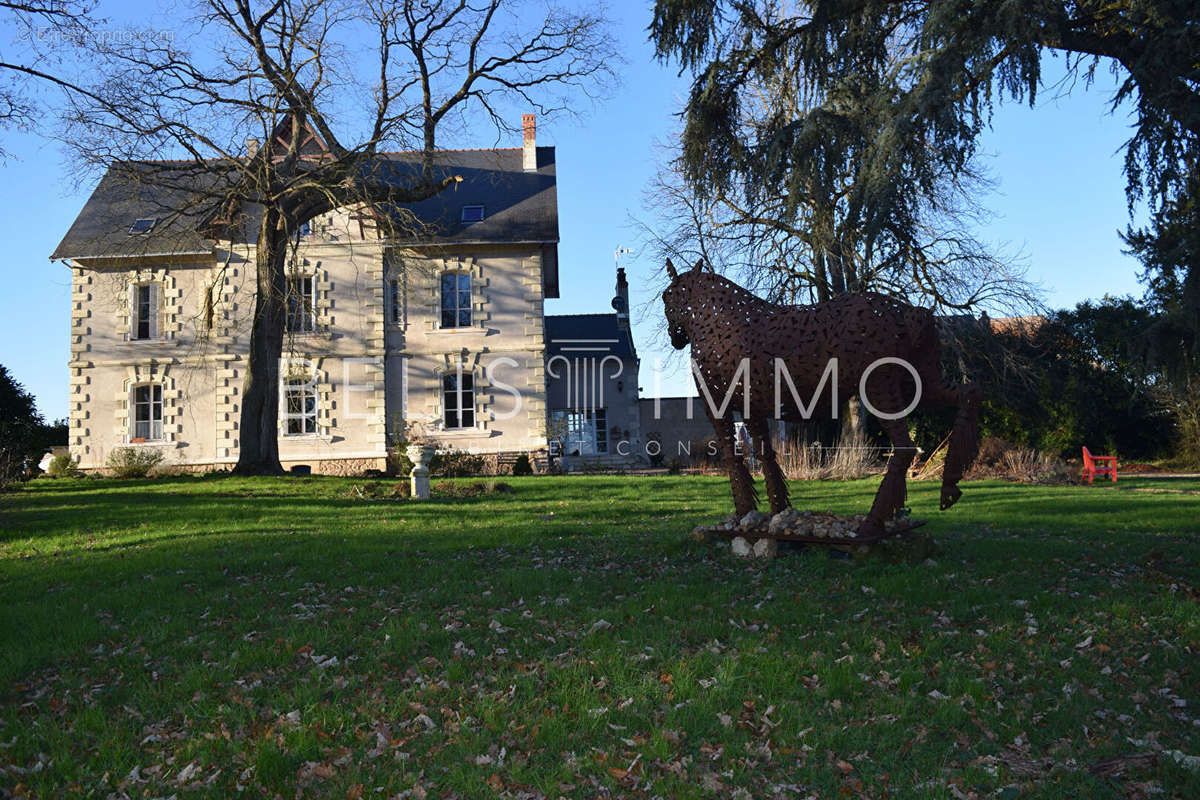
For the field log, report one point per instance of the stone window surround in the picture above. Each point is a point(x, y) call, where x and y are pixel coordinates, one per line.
point(435, 410)
point(289, 366)
point(170, 306)
point(322, 300)
point(479, 300)
point(144, 374)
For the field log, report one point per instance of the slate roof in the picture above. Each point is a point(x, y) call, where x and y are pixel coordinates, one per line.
point(519, 206)
point(588, 336)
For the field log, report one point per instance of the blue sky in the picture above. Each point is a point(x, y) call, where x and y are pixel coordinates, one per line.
point(1059, 199)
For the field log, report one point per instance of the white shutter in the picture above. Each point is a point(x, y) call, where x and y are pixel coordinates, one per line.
point(155, 311)
point(131, 334)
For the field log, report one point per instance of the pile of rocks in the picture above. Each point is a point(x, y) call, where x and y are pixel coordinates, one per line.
point(754, 534)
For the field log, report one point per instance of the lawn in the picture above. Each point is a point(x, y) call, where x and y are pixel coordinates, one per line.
point(223, 637)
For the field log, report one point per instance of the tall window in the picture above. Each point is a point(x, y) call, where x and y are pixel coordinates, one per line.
point(300, 407)
point(145, 311)
point(148, 412)
point(584, 433)
point(300, 304)
point(458, 400)
point(395, 309)
point(456, 300)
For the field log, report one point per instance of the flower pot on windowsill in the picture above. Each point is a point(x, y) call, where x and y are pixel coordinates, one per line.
point(138, 440)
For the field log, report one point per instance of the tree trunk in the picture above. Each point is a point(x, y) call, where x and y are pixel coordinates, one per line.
point(259, 434)
point(854, 421)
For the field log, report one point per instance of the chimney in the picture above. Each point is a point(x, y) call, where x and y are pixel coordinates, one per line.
point(529, 126)
point(251, 147)
point(621, 301)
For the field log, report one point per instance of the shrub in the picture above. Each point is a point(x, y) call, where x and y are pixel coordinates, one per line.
point(63, 466)
point(522, 465)
point(444, 464)
point(852, 457)
point(456, 464)
point(133, 462)
point(656, 458)
point(1002, 459)
point(476, 489)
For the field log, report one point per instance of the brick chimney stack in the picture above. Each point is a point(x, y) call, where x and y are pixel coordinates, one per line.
point(529, 126)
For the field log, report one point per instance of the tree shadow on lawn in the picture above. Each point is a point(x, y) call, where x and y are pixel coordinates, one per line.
point(175, 508)
point(202, 629)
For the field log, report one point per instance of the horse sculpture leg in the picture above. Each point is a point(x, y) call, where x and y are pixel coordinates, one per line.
point(893, 490)
point(745, 498)
point(777, 491)
point(964, 437)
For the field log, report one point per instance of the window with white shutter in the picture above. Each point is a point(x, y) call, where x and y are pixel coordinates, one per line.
point(144, 319)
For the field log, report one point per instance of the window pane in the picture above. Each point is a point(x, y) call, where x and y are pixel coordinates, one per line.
point(294, 426)
point(464, 283)
point(448, 299)
point(143, 312)
point(464, 319)
point(601, 417)
point(468, 418)
point(468, 381)
point(448, 318)
point(464, 300)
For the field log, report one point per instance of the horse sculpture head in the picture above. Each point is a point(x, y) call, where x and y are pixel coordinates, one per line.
point(678, 298)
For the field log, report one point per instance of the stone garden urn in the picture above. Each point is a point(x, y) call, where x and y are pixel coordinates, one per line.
point(420, 455)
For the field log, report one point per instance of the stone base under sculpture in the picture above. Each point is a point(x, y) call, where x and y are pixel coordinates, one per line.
point(758, 535)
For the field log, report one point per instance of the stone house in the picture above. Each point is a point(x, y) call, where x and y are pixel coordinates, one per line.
point(592, 367)
point(444, 330)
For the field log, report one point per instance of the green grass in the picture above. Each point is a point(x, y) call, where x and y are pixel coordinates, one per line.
point(177, 637)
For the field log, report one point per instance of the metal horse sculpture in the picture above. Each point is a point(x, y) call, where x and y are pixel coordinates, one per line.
point(730, 329)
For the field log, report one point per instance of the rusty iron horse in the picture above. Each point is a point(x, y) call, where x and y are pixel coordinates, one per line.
point(743, 344)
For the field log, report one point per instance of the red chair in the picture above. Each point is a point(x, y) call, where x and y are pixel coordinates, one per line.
point(1098, 465)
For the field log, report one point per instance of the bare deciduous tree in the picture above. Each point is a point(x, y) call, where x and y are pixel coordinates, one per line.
point(325, 86)
point(39, 32)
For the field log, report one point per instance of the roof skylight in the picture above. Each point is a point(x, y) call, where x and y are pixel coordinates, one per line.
point(144, 225)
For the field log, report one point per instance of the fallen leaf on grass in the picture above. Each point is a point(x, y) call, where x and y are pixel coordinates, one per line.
point(1119, 765)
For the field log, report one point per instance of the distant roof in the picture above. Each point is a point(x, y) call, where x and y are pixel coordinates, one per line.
point(519, 206)
point(588, 336)
point(1018, 326)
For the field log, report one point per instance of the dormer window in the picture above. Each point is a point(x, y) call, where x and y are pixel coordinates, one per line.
point(472, 214)
point(144, 225)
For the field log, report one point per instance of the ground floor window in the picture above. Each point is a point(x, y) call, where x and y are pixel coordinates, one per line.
point(458, 400)
point(148, 412)
point(580, 433)
point(300, 407)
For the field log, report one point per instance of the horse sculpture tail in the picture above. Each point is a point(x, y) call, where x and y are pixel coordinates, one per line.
point(964, 442)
